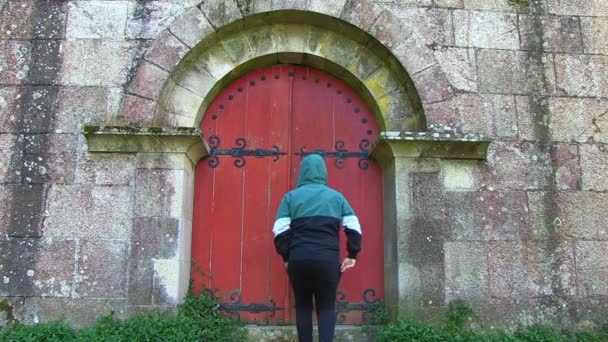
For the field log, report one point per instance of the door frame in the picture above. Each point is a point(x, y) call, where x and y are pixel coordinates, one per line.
point(180, 92)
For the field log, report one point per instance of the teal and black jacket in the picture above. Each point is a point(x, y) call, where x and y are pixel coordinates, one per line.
point(309, 217)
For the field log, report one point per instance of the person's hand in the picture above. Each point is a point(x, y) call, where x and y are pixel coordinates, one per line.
point(286, 267)
point(347, 263)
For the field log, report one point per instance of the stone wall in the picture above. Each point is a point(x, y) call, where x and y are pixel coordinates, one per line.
point(521, 237)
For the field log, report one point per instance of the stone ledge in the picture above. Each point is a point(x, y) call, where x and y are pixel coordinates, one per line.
point(131, 139)
point(288, 333)
point(445, 145)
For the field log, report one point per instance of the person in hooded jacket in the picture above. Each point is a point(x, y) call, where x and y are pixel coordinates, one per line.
point(306, 235)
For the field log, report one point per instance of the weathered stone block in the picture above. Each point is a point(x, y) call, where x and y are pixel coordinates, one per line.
point(46, 62)
point(238, 48)
point(9, 104)
point(566, 166)
point(361, 13)
point(14, 65)
point(29, 19)
point(13, 309)
point(184, 102)
point(148, 80)
point(215, 61)
point(578, 7)
point(595, 34)
point(34, 267)
point(191, 27)
point(51, 143)
point(290, 4)
point(414, 54)
point(489, 216)
point(460, 175)
point(466, 274)
point(171, 161)
point(11, 147)
point(428, 195)
point(572, 214)
point(493, 115)
point(495, 5)
point(450, 3)
point(432, 284)
point(158, 193)
point(594, 165)
point(14, 20)
point(197, 81)
point(582, 75)
point(89, 212)
point(387, 29)
point(515, 72)
point(48, 19)
point(95, 62)
point(78, 106)
point(490, 30)
point(106, 169)
point(146, 19)
point(49, 157)
point(141, 282)
point(434, 25)
point(563, 118)
point(517, 166)
point(331, 8)
point(549, 268)
point(432, 87)
point(22, 209)
point(138, 110)
point(154, 237)
point(550, 34)
point(166, 51)
point(37, 112)
point(97, 19)
point(221, 12)
point(592, 268)
point(102, 269)
point(79, 313)
point(459, 66)
point(506, 270)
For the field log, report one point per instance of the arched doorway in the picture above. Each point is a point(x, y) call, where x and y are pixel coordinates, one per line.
point(258, 128)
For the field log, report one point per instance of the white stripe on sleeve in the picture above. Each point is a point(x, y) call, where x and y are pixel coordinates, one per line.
point(281, 225)
point(351, 222)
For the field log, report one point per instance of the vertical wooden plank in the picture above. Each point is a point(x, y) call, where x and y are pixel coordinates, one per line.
point(278, 287)
point(261, 124)
point(228, 222)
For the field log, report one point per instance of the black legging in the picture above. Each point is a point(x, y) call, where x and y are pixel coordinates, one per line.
point(319, 278)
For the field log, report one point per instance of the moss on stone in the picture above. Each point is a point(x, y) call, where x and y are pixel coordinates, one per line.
point(519, 3)
point(185, 129)
point(88, 129)
point(6, 307)
point(155, 130)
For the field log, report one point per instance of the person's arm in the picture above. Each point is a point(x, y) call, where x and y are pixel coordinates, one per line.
point(352, 229)
point(281, 229)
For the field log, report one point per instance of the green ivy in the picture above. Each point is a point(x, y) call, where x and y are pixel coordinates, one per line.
point(457, 328)
point(197, 319)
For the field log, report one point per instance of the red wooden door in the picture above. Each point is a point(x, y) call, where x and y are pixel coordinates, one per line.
point(258, 129)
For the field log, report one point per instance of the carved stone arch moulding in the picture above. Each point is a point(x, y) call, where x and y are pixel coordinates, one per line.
point(200, 53)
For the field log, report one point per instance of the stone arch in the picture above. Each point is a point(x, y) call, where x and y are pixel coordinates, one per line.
point(184, 68)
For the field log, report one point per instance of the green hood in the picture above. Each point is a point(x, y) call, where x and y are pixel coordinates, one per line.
point(312, 170)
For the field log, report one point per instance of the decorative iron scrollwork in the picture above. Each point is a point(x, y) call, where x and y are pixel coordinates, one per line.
point(369, 305)
point(234, 306)
point(239, 152)
point(340, 153)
